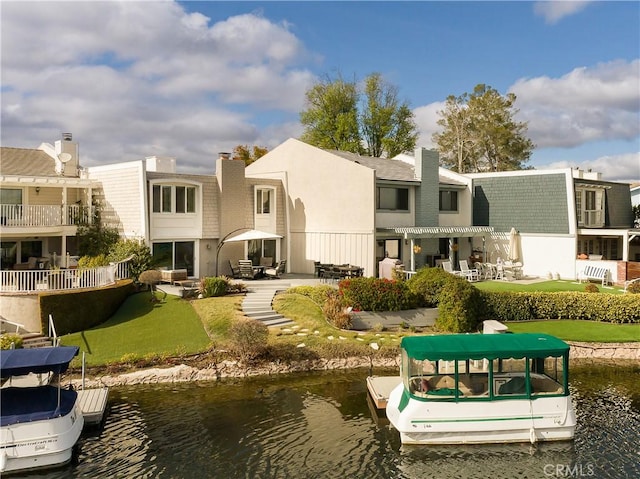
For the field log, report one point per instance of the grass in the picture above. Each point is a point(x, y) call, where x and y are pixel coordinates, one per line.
point(543, 286)
point(587, 331)
point(142, 329)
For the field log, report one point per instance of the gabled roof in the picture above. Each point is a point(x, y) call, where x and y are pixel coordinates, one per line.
point(26, 161)
point(386, 169)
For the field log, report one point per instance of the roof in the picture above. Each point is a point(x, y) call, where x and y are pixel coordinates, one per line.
point(18, 362)
point(450, 347)
point(26, 161)
point(386, 169)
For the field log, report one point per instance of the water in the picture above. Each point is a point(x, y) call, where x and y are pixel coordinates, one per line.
point(320, 426)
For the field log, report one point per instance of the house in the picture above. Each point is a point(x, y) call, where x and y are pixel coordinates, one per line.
point(44, 196)
point(567, 219)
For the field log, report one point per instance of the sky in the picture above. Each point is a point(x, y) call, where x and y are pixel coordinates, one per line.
point(134, 79)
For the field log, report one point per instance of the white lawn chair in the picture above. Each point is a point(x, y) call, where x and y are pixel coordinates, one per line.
point(469, 273)
point(446, 265)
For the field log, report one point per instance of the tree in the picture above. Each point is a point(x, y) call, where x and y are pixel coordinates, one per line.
point(331, 117)
point(242, 152)
point(95, 238)
point(387, 125)
point(138, 253)
point(480, 133)
point(379, 125)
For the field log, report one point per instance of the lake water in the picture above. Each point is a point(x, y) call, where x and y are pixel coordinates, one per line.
point(320, 425)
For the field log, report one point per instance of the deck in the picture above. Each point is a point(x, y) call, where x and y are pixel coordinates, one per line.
point(380, 387)
point(93, 403)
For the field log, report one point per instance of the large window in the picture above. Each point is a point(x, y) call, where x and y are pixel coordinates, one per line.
point(174, 255)
point(174, 199)
point(448, 200)
point(590, 207)
point(258, 249)
point(264, 200)
point(389, 198)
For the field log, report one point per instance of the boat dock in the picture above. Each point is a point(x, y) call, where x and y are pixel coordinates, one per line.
point(93, 403)
point(380, 387)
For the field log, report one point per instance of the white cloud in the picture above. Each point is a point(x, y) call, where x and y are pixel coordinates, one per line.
point(586, 104)
point(426, 118)
point(554, 11)
point(623, 168)
point(132, 79)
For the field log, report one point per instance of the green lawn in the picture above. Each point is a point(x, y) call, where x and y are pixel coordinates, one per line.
point(143, 329)
point(543, 286)
point(589, 331)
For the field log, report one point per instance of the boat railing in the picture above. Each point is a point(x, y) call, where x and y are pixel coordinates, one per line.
point(52, 332)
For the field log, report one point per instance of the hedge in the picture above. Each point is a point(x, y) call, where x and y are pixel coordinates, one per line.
point(74, 311)
point(376, 294)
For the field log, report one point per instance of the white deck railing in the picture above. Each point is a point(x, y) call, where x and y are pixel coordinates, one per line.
point(31, 281)
point(44, 215)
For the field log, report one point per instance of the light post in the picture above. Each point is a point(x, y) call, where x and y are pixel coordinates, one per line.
point(221, 244)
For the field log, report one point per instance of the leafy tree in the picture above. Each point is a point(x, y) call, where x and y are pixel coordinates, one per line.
point(95, 238)
point(636, 215)
point(387, 125)
point(480, 134)
point(242, 152)
point(140, 254)
point(331, 117)
point(379, 125)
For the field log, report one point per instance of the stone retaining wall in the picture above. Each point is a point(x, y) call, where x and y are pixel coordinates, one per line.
point(233, 369)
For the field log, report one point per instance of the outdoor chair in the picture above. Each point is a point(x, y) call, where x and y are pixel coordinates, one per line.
point(277, 271)
point(235, 272)
point(469, 273)
point(246, 269)
point(446, 265)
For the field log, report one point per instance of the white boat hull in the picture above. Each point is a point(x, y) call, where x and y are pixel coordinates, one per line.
point(478, 422)
point(40, 444)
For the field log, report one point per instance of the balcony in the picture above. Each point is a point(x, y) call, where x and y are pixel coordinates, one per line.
point(30, 216)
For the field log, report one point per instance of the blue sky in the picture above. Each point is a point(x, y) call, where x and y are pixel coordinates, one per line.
point(190, 79)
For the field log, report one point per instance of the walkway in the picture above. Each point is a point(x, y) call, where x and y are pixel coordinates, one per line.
point(257, 302)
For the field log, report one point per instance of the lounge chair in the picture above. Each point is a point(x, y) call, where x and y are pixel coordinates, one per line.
point(469, 273)
point(235, 272)
point(246, 269)
point(277, 271)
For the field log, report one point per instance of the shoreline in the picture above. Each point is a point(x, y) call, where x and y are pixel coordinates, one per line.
point(180, 373)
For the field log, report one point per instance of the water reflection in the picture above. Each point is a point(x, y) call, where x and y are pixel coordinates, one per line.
point(320, 426)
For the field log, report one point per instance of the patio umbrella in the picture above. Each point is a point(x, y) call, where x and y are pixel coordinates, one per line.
point(252, 235)
point(514, 245)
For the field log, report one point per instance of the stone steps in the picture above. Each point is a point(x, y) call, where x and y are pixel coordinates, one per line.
point(257, 304)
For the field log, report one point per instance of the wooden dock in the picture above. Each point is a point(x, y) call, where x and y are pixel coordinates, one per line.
point(380, 387)
point(93, 403)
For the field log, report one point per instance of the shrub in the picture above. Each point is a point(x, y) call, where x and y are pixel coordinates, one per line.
point(591, 288)
point(375, 294)
point(427, 284)
point(10, 341)
point(459, 307)
point(93, 261)
point(634, 287)
point(141, 258)
point(214, 286)
point(248, 338)
point(335, 310)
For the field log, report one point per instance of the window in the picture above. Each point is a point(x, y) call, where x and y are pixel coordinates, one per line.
point(389, 248)
point(185, 199)
point(264, 197)
point(392, 198)
point(174, 255)
point(590, 206)
point(448, 200)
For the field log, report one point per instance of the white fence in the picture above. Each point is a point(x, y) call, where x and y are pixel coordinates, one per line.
point(44, 215)
point(57, 279)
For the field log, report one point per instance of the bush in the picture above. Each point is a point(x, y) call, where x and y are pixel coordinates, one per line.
point(248, 338)
point(375, 294)
point(93, 261)
point(141, 256)
point(10, 341)
point(214, 286)
point(335, 310)
point(591, 288)
point(459, 307)
point(634, 287)
point(427, 284)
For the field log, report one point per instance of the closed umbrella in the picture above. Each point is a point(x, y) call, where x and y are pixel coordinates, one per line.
point(514, 245)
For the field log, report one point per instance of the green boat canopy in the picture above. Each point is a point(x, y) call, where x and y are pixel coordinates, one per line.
point(451, 347)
